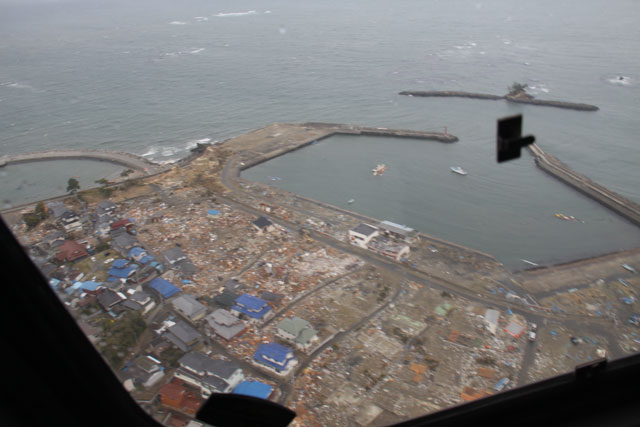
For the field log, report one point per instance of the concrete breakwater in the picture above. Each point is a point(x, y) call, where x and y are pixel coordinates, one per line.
point(610, 199)
point(305, 134)
point(509, 98)
point(557, 104)
point(450, 93)
point(125, 159)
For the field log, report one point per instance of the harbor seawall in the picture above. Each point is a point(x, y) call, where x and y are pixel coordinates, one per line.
point(327, 130)
point(508, 98)
point(610, 199)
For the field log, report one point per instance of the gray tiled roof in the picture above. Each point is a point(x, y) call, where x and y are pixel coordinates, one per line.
point(200, 362)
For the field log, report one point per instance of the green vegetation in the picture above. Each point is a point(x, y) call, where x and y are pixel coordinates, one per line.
point(127, 172)
point(102, 181)
point(106, 192)
point(72, 185)
point(516, 88)
point(32, 219)
point(102, 246)
point(171, 356)
point(121, 335)
point(40, 210)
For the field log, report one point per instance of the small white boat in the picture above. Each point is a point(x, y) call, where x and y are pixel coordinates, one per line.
point(351, 201)
point(459, 170)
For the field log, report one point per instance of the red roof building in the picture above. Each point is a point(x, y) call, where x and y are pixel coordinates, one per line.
point(70, 251)
point(171, 394)
point(122, 223)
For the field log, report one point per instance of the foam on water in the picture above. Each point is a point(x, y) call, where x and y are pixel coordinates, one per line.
point(229, 14)
point(201, 18)
point(177, 23)
point(197, 50)
point(620, 80)
point(17, 85)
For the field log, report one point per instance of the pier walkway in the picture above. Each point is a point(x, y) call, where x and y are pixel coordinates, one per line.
point(612, 200)
point(128, 160)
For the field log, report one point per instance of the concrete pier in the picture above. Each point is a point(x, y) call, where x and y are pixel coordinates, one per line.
point(612, 200)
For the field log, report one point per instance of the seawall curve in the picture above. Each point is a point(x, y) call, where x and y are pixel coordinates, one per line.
point(131, 161)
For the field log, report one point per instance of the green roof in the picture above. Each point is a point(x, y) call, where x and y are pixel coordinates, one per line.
point(299, 328)
point(443, 309)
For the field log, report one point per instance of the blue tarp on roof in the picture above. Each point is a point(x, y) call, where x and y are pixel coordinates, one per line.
point(136, 251)
point(213, 212)
point(274, 355)
point(120, 263)
point(123, 273)
point(146, 259)
point(86, 286)
point(253, 307)
point(254, 388)
point(250, 302)
point(164, 287)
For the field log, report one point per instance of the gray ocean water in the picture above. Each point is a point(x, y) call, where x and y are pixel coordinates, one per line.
point(155, 77)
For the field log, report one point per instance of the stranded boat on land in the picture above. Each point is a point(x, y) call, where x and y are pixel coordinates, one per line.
point(459, 170)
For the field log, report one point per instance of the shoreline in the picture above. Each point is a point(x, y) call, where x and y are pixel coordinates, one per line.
point(267, 147)
point(508, 98)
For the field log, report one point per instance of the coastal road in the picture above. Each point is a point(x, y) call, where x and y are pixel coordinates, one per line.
point(415, 275)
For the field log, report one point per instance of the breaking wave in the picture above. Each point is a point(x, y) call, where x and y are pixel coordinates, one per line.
point(620, 80)
point(17, 85)
point(177, 23)
point(224, 15)
point(170, 154)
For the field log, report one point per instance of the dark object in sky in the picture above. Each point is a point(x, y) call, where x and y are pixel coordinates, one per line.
point(510, 139)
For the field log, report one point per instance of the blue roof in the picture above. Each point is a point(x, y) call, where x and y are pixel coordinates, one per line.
point(146, 259)
point(120, 263)
point(86, 286)
point(275, 352)
point(136, 251)
point(250, 302)
point(254, 389)
point(112, 279)
point(213, 212)
point(253, 307)
point(122, 273)
point(164, 287)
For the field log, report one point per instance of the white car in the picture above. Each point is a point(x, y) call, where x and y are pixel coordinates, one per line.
point(532, 336)
point(107, 261)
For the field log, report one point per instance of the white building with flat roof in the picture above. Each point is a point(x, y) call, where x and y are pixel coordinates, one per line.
point(362, 235)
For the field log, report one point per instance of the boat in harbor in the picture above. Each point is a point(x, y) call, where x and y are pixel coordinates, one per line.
point(458, 170)
point(378, 170)
point(351, 201)
point(565, 217)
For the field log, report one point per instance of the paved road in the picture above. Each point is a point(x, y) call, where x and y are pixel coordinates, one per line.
point(336, 338)
point(594, 325)
point(306, 295)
